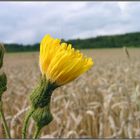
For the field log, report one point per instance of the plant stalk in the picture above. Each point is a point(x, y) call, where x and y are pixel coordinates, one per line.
point(25, 123)
point(37, 132)
point(4, 122)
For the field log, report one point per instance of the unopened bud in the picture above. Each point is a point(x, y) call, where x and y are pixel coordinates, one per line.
point(42, 116)
point(2, 50)
point(3, 83)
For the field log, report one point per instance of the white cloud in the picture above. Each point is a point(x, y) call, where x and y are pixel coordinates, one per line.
point(28, 22)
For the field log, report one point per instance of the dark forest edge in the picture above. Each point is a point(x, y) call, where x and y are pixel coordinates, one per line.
point(130, 40)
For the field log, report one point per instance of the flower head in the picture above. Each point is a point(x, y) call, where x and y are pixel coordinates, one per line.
point(61, 63)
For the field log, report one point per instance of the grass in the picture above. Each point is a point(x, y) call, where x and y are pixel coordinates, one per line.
point(102, 103)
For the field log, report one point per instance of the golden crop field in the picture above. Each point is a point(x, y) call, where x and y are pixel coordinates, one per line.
point(102, 103)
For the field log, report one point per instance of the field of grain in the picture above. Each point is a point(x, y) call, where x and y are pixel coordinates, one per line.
point(102, 103)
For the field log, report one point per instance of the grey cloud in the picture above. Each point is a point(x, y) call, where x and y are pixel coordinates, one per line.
point(28, 22)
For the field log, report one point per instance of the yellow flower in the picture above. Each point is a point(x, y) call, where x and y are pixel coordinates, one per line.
point(60, 63)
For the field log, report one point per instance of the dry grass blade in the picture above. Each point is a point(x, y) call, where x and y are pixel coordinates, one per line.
point(102, 103)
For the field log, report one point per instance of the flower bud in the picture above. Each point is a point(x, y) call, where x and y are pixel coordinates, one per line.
point(2, 50)
point(3, 83)
point(42, 116)
point(41, 96)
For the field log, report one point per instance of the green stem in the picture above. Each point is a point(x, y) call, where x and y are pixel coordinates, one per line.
point(25, 123)
point(37, 132)
point(4, 122)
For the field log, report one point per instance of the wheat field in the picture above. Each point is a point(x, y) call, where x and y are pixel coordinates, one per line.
point(102, 103)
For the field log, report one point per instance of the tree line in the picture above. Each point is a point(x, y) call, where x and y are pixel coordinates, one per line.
point(107, 41)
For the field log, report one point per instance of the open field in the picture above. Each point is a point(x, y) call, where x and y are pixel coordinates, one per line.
point(102, 103)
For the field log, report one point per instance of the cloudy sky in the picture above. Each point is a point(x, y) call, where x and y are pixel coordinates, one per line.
point(28, 22)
